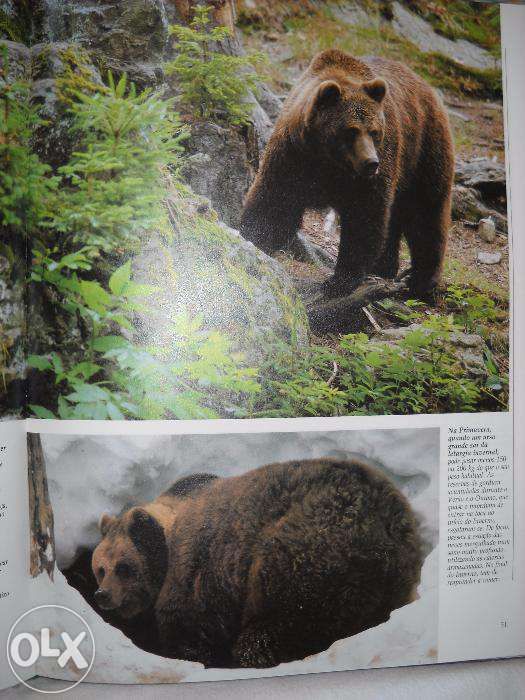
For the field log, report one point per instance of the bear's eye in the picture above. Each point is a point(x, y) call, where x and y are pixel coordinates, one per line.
point(101, 572)
point(124, 570)
point(352, 132)
point(375, 134)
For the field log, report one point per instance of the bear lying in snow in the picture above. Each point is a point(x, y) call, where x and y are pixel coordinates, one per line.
point(370, 139)
point(262, 568)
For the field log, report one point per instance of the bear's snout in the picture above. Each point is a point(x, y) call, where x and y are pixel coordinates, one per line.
point(370, 167)
point(103, 599)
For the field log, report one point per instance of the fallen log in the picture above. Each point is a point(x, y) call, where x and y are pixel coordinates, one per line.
point(345, 314)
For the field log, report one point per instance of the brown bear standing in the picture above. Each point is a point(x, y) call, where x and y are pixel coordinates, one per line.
point(370, 139)
point(262, 568)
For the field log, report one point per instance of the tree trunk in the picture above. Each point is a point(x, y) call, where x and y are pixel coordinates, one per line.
point(42, 542)
point(224, 11)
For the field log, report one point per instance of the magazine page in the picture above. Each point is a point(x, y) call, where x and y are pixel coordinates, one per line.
point(14, 547)
point(269, 308)
point(237, 549)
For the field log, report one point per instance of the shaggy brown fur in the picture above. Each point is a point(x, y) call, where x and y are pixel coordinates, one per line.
point(266, 567)
point(370, 139)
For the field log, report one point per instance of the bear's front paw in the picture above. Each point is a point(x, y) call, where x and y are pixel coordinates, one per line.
point(339, 286)
point(426, 289)
point(254, 648)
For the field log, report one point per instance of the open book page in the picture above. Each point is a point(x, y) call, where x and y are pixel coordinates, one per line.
point(269, 330)
point(14, 540)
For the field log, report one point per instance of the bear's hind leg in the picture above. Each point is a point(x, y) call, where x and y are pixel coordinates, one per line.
point(388, 264)
point(427, 240)
point(255, 648)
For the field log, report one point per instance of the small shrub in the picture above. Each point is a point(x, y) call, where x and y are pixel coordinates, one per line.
point(214, 84)
point(111, 188)
point(24, 187)
point(471, 308)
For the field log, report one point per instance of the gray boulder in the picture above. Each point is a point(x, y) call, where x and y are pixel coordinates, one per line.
point(467, 206)
point(209, 271)
point(129, 36)
point(485, 175)
point(18, 59)
point(219, 167)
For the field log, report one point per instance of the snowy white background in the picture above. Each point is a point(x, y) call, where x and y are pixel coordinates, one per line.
point(91, 474)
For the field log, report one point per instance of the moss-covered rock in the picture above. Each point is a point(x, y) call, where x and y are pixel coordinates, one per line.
point(57, 68)
point(220, 167)
point(126, 36)
point(206, 270)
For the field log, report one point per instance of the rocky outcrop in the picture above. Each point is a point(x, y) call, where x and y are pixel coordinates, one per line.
point(468, 207)
point(480, 192)
point(467, 347)
point(221, 167)
point(485, 175)
point(411, 26)
point(414, 28)
point(209, 271)
point(129, 36)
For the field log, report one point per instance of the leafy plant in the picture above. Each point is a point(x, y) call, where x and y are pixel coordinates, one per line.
point(213, 83)
point(192, 377)
point(421, 373)
point(470, 307)
point(24, 187)
point(111, 188)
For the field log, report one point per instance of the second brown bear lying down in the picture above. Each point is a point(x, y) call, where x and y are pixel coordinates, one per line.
point(262, 568)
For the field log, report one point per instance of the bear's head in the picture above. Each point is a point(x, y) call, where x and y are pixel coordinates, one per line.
point(344, 119)
point(130, 563)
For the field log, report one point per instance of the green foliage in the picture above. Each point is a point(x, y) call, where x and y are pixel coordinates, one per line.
point(193, 375)
point(361, 376)
point(111, 189)
point(214, 84)
point(471, 308)
point(24, 187)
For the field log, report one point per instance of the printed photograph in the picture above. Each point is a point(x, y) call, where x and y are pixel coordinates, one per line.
point(245, 208)
point(309, 551)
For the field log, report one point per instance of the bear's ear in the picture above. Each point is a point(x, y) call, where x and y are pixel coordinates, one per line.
point(376, 89)
point(147, 535)
point(189, 484)
point(105, 522)
point(327, 94)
